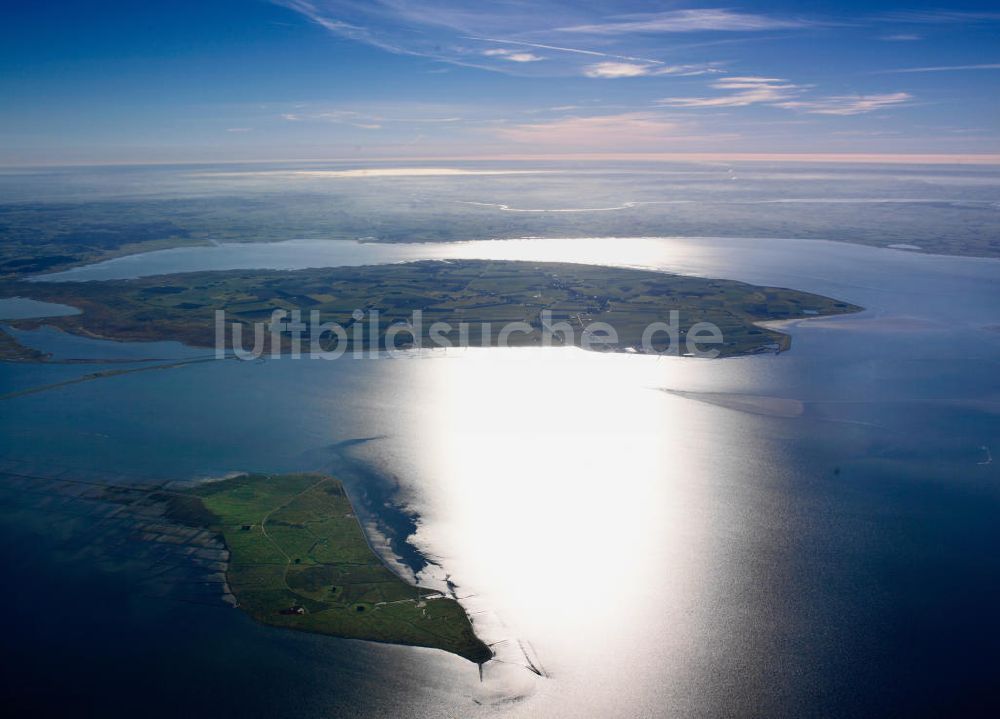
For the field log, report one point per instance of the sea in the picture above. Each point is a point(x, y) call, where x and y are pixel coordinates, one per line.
point(810, 533)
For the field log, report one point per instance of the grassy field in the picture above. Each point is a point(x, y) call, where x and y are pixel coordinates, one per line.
point(299, 559)
point(181, 307)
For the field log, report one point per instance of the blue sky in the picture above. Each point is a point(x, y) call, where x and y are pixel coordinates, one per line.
point(302, 79)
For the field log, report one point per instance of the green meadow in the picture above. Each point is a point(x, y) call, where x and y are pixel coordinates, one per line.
point(182, 306)
point(300, 560)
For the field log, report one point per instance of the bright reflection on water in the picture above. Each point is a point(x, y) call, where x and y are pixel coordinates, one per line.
point(687, 253)
point(569, 502)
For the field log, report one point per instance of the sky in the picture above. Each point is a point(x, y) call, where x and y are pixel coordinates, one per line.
point(244, 80)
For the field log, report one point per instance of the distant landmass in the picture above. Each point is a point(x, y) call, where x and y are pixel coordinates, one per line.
point(475, 292)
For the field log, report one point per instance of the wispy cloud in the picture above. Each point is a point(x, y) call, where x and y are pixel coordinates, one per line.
point(361, 120)
point(613, 70)
point(694, 20)
point(559, 48)
point(342, 117)
point(370, 172)
point(619, 131)
point(848, 104)
point(442, 31)
point(942, 68)
point(865, 133)
point(749, 90)
point(339, 27)
point(938, 17)
point(607, 41)
point(778, 92)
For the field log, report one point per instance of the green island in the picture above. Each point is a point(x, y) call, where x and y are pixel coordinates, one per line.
point(300, 560)
point(182, 306)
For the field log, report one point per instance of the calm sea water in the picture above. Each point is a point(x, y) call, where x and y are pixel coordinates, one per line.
point(19, 308)
point(809, 534)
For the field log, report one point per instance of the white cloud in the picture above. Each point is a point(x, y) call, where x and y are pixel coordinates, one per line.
point(616, 69)
point(695, 20)
point(630, 69)
point(848, 104)
point(512, 55)
point(523, 57)
point(902, 37)
point(238, 129)
point(749, 90)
